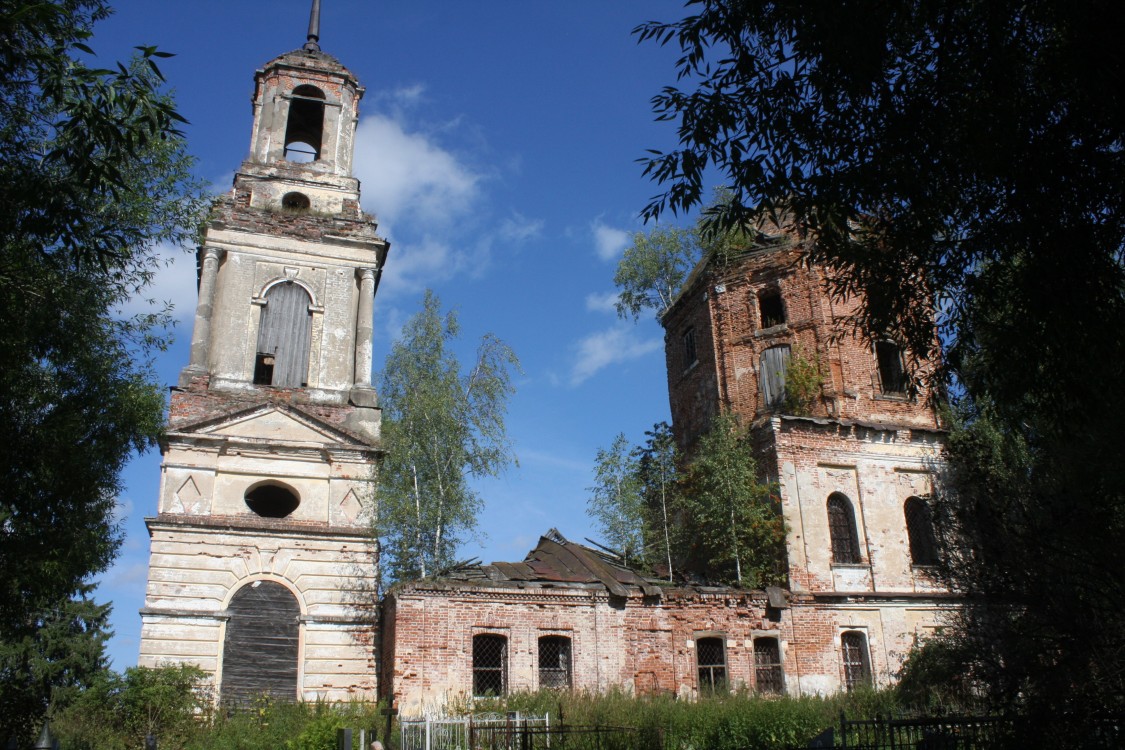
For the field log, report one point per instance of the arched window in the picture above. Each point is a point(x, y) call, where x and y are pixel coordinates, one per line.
point(711, 658)
point(304, 131)
point(920, 531)
point(857, 662)
point(767, 666)
point(283, 337)
point(295, 202)
point(772, 368)
point(490, 665)
point(841, 528)
point(272, 499)
point(260, 649)
point(554, 662)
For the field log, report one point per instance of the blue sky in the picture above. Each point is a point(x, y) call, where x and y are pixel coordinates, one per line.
point(497, 146)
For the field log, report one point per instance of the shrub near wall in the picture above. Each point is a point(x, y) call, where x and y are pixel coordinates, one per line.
point(739, 721)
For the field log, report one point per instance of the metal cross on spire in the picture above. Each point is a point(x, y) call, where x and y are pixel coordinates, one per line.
point(312, 44)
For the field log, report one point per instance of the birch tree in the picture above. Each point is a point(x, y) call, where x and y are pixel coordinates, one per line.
point(616, 503)
point(657, 471)
point(737, 531)
point(442, 428)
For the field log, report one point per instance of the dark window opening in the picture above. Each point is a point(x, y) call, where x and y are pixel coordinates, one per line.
point(295, 202)
point(260, 649)
point(767, 666)
point(920, 532)
point(272, 500)
point(771, 310)
point(284, 335)
point(892, 374)
point(857, 663)
point(554, 662)
point(263, 369)
point(690, 356)
point(710, 656)
point(773, 367)
point(490, 665)
point(841, 529)
point(304, 131)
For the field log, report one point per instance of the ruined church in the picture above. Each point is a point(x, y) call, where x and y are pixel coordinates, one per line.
point(262, 567)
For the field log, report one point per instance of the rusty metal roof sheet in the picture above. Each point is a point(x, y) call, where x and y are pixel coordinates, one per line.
point(557, 560)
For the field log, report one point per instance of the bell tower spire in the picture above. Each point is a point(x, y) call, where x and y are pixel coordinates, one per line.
point(313, 43)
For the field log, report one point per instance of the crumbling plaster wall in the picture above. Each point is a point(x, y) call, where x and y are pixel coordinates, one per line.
point(636, 644)
point(194, 571)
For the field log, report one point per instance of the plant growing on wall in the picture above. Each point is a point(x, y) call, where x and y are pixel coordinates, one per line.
point(803, 382)
point(441, 427)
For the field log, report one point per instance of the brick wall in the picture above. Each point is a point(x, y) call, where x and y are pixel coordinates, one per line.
point(721, 306)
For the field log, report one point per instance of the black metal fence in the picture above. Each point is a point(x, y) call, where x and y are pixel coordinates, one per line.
point(955, 733)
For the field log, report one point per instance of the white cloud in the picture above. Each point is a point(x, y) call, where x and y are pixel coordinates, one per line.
point(407, 177)
point(518, 228)
point(428, 260)
point(609, 242)
point(611, 346)
point(174, 282)
point(605, 302)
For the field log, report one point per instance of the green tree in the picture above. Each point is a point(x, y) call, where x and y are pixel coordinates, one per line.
point(47, 667)
point(657, 471)
point(441, 427)
point(803, 382)
point(93, 175)
point(959, 163)
point(617, 502)
point(118, 711)
point(653, 269)
point(736, 528)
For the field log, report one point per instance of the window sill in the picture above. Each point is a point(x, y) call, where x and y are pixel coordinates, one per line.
point(851, 566)
point(902, 398)
point(780, 328)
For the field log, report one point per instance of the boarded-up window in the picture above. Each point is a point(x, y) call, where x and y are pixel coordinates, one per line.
point(767, 665)
point(892, 374)
point(773, 365)
point(260, 651)
point(841, 528)
point(920, 531)
point(490, 665)
point(710, 656)
point(304, 130)
point(554, 662)
point(857, 663)
point(283, 337)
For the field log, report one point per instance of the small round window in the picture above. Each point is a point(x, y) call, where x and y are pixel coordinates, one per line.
point(272, 500)
point(295, 202)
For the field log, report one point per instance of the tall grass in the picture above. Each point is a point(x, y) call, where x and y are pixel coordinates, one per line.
point(739, 721)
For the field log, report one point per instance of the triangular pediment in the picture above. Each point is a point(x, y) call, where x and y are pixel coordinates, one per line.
point(276, 424)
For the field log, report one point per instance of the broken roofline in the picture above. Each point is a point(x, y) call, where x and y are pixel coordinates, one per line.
point(557, 563)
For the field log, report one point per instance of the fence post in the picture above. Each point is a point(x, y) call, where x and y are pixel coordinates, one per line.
point(843, 731)
point(343, 739)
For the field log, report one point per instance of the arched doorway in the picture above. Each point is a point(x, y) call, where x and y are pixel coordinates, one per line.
point(260, 650)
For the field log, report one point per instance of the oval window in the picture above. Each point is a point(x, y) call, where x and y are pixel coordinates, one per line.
point(295, 202)
point(272, 500)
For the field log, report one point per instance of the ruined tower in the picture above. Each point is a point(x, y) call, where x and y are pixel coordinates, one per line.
point(262, 567)
point(854, 462)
